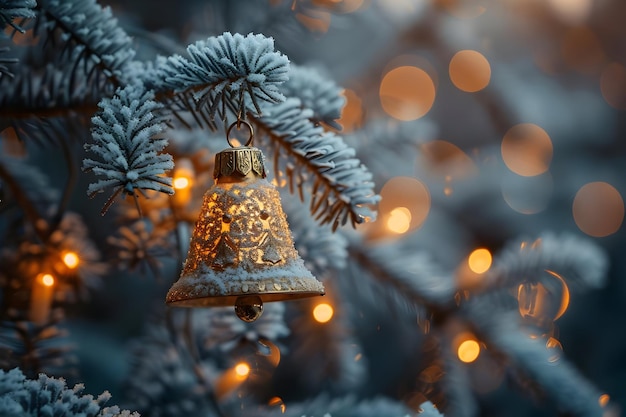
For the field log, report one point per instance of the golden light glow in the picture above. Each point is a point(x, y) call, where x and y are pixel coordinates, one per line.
point(604, 400)
point(527, 150)
point(468, 350)
point(479, 261)
point(400, 194)
point(613, 85)
point(469, 71)
point(323, 312)
point(407, 93)
point(181, 183)
point(598, 209)
point(399, 220)
point(242, 369)
point(184, 172)
point(70, 259)
point(47, 280)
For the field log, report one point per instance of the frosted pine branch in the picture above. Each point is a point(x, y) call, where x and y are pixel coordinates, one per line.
point(50, 396)
point(223, 72)
point(342, 187)
point(318, 92)
point(91, 34)
point(11, 9)
point(129, 156)
point(408, 272)
point(319, 247)
point(577, 260)
point(558, 379)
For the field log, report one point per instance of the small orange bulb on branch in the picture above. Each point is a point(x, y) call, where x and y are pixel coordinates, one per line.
point(70, 259)
point(323, 312)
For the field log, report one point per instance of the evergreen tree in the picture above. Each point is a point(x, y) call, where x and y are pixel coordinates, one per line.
point(472, 276)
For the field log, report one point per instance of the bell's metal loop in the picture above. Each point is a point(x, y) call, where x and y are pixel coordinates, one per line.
point(238, 125)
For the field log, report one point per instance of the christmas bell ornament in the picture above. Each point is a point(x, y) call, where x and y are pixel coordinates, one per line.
point(241, 251)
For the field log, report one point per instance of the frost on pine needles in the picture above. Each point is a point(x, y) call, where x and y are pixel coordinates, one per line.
point(128, 155)
point(223, 70)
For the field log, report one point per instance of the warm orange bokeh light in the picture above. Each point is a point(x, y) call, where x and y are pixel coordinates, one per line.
point(407, 93)
point(399, 220)
point(400, 194)
point(598, 209)
point(181, 182)
point(527, 150)
point(70, 259)
point(469, 71)
point(242, 369)
point(604, 400)
point(323, 312)
point(613, 85)
point(468, 350)
point(479, 261)
point(47, 280)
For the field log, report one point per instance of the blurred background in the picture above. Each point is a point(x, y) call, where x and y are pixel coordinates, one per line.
point(484, 122)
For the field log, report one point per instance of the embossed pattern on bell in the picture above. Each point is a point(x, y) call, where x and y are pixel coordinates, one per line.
point(242, 244)
point(239, 161)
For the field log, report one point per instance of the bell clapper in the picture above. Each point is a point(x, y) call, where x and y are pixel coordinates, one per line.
point(249, 308)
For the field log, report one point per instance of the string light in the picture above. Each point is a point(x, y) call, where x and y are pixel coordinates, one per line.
point(47, 280)
point(70, 259)
point(479, 261)
point(468, 350)
point(181, 182)
point(323, 312)
point(41, 298)
point(242, 369)
point(399, 220)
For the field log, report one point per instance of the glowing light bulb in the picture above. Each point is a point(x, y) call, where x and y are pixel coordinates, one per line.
point(323, 312)
point(181, 183)
point(479, 261)
point(70, 259)
point(242, 369)
point(47, 280)
point(399, 220)
point(468, 350)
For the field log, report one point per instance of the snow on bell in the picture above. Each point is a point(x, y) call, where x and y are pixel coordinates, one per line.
point(241, 251)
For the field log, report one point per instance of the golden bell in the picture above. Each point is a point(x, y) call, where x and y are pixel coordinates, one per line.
point(241, 251)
